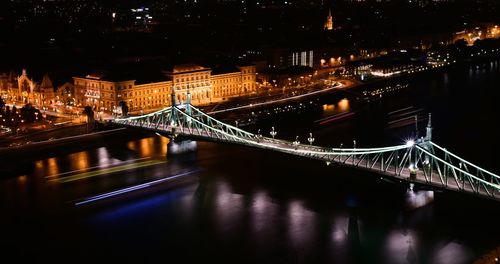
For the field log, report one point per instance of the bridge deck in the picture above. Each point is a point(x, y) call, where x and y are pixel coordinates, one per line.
point(433, 179)
point(302, 150)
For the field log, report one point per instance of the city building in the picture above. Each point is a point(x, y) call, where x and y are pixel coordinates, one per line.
point(329, 21)
point(25, 89)
point(105, 91)
point(473, 34)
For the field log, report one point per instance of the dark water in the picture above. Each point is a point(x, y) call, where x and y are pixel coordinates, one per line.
point(234, 204)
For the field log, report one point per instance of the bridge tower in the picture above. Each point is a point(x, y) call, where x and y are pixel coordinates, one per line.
point(174, 104)
point(427, 146)
point(177, 145)
point(172, 96)
point(428, 129)
point(188, 102)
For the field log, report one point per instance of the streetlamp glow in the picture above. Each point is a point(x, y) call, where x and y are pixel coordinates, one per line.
point(410, 143)
point(273, 132)
point(296, 143)
point(310, 139)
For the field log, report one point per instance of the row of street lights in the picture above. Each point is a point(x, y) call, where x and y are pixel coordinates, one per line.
point(296, 143)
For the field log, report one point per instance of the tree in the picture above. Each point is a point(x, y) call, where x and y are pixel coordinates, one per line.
point(2, 103)
point(90, 117)
point(28, 113)
point(461, 44)
point(88, 112)
point(7, 112)
point(124, 107)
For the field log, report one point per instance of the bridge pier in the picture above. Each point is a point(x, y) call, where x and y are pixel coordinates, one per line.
point(176, 146)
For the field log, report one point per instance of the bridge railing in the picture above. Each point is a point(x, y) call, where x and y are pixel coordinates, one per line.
point(455, 174)
point(466, 164)
point(218, 124)
point(428, 161)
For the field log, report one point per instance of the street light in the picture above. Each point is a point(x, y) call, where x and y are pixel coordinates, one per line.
point(296, 143)
point(273, 132)
point(259, 135)
point(310, 139)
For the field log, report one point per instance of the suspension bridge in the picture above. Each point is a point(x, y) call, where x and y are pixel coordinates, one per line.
point(419, 161)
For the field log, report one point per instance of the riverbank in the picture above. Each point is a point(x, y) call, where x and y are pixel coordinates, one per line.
point(351, 85)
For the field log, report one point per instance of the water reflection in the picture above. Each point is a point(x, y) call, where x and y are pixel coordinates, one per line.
point(301, 224)
point(52, 167)
point(260, 211)
point(163, 144)
point(344, 105)
point(22, 179)
point(341, 106)
point(228, 207)
point(79, 160)
point(401, 246)
point(328, 109)
point(146, 146)
point(340, 229)
point(132, 145)
point(452, 253)
point(415, 199)
point(103, 156)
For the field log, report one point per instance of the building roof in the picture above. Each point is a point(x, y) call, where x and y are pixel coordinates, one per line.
point(183, 68)
point(225, 69)
point(123, 74)
point(46, 82)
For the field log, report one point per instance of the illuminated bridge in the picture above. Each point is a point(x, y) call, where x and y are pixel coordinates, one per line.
point(418, 161)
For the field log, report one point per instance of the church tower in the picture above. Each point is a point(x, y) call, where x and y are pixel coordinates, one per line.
point(329, 21)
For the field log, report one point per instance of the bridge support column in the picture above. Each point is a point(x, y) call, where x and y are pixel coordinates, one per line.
point(176, 147)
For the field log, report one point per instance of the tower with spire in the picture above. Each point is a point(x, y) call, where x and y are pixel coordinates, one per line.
point(329, 21)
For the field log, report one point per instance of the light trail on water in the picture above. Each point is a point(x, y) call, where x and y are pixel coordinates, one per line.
point(94, 167)
point(132, 188)
point(95, 173)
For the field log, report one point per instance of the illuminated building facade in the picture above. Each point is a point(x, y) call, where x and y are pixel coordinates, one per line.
point(105, 93)
point(302, 58)
point(329, 21)
point(478, 33)
point(25, 89)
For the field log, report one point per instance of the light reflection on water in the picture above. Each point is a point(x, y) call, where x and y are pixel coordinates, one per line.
point(343, 105)
point(340, 229)
point(452, 253)
point(417, 199)
point(52, 167)
point(79, 160)
point(261, 211)
point(300, 224)
point(401, 246)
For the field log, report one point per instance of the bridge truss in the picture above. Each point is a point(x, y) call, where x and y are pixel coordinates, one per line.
point(421, 161)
